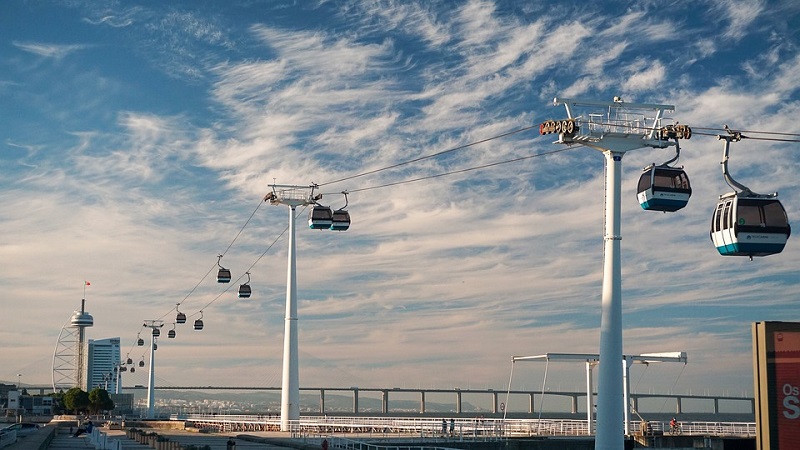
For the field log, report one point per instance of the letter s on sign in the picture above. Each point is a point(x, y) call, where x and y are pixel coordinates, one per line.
point(792, 407)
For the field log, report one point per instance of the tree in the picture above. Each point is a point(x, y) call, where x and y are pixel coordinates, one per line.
point(76, 400)
point(58, 402)
point(100, 400)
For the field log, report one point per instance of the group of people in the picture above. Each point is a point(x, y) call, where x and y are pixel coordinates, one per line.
point(452, 426)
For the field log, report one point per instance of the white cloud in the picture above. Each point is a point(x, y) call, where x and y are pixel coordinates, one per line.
point(740, 15)
point(651, 75)
point(55, 51)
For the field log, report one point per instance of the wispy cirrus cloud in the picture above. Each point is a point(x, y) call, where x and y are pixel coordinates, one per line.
point(47, 50)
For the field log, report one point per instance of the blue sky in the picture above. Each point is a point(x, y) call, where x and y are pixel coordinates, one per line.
point(139, 137)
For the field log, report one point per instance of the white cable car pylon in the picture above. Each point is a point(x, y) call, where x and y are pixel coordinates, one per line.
point(293, 196)
point(615, 129)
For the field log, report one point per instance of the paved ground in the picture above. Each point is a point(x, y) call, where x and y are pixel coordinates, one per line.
point(63, 440)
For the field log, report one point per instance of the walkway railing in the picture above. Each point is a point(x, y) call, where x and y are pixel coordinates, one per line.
point(465, 428)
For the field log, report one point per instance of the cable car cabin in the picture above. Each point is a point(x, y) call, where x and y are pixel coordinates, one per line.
point(129, 361)
point(320, 218)
point(749, 226)
point(133, 369)
point(663, 188)
point(244, 291)
point(224, 275)
point(156, 332)
point(171, 334)
point(140, 342)
point(141, 363)
point(198, 324)
point(180, 318)
point(340, 221)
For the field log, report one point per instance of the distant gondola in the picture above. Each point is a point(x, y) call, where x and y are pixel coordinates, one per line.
point(244, 289)
point(156, 332)
point(663, 188)
point(223, 274)
point(180, 317)
point(198, 324)
point(320, 218)
point(340, 220)
point(140, 342)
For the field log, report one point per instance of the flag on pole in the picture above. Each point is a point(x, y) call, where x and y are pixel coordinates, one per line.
point(86, 283)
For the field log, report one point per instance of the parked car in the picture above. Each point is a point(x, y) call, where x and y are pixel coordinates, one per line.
point(23, 429)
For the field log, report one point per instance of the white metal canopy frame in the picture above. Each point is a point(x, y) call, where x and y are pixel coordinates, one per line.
point(293, 196)
point(613, 128)
point(593, 359)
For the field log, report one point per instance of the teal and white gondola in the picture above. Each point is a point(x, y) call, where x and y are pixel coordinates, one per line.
point(664, 188)
point(745, 223)
point(320, 218)
point(749, 226)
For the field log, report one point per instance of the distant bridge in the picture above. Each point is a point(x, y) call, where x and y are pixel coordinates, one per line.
point(712, 403)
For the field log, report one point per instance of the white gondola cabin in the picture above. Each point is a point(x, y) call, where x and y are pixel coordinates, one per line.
point(663, 188)
point(749, 226)
point(340, 220)
point(320, 218)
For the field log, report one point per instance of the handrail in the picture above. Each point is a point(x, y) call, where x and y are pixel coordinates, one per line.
point(463, 428)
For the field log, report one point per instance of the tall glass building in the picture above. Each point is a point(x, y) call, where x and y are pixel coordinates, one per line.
point(103, 357)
